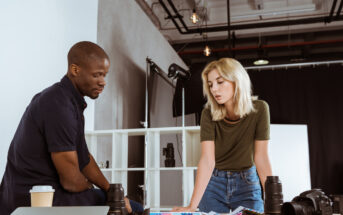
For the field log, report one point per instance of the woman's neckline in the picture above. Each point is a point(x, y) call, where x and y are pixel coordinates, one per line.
point(232, 122)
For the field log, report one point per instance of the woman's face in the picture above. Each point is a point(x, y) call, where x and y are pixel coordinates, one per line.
point(222, 90)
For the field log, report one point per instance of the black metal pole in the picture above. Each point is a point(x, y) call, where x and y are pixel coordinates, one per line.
point(332, 11)
point(339, 9)
point(156, 69)
point(177, 14)
point(228, 28)
point(171, 17)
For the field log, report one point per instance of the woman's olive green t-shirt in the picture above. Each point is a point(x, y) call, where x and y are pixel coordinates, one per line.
point(234, 143)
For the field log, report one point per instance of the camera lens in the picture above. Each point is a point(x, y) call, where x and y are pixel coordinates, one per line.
point(115, 199)
point(273, 195)
point(297, 208)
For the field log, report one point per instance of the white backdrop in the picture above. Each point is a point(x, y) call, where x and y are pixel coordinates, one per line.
point(35, 37)
point(289, 155)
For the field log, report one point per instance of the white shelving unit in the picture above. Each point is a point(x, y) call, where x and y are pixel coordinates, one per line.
point(119, 159)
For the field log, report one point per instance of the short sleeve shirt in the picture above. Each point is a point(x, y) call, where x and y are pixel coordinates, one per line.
point(234, 143)
point(53, 122)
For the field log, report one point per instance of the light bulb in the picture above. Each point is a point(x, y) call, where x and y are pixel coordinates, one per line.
point(261, 62)
point(207, 51)
point(194, 18)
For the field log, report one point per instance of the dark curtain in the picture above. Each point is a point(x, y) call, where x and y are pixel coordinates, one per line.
point(312, 96)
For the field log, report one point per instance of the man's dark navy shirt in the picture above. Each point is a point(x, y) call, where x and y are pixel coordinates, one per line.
point(53, 122)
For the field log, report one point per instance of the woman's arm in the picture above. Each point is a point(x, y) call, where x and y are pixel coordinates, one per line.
point(205, 168)
point(261, 159)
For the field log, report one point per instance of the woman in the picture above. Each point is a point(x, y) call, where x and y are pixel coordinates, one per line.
point(234, 142)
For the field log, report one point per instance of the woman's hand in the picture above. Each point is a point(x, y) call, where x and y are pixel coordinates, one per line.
point(127, 205)
point(183, 209)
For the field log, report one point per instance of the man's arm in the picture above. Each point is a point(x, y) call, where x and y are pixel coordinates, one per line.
point(92, 172)
point(94, 175)
point(67, 167)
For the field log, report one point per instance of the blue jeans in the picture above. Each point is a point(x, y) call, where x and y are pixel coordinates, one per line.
point(228, 190)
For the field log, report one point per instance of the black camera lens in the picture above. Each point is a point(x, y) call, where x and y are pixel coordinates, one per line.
point(297, 208)
point(115, 199)
point(273, 195)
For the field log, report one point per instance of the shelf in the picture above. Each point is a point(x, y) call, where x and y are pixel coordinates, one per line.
point(149, 169)
point(142, 131)
point(173, 168)
point(117, 141)
point(123, 169)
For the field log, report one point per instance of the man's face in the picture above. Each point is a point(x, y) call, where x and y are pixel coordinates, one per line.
point(91, 79)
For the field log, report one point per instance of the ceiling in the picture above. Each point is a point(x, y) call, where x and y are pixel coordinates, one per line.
point(284, 31)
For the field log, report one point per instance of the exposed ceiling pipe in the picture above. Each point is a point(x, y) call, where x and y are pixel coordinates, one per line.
point(246, 26)
point(332, 11)
point(177, 14)
point(279, 45)
point(145, 7)
point(339, 9)
point(274, 13)
point(170, 16)
point(290, 65)
point(262, 25)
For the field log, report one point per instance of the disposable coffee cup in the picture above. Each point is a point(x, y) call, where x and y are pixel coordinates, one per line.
point(42, 196)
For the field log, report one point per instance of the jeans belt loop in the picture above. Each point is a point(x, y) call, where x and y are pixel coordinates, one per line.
point(215, 173)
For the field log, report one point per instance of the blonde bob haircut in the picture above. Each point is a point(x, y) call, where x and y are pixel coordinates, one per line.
point(231, 70)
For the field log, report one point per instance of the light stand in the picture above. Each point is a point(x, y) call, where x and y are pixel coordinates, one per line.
point(175, 71)
point(151, 69)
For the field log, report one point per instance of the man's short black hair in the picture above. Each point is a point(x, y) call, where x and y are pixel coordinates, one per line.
point(83, 51)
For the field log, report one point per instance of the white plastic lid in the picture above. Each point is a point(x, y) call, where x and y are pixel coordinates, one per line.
point(41, 189)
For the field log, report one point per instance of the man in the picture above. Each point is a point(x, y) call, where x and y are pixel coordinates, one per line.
point(49, 146)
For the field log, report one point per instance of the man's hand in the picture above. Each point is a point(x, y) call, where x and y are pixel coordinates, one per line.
point(67, 167)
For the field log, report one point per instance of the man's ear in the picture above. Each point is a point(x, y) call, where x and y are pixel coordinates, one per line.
point(74, 70)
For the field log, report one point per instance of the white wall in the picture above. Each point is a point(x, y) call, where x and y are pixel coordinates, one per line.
point(289, 156)
point(129, 36)
point(35, 37)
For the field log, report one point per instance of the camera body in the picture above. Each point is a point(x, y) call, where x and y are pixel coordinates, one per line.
point(309, 202)
point(169, 153)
